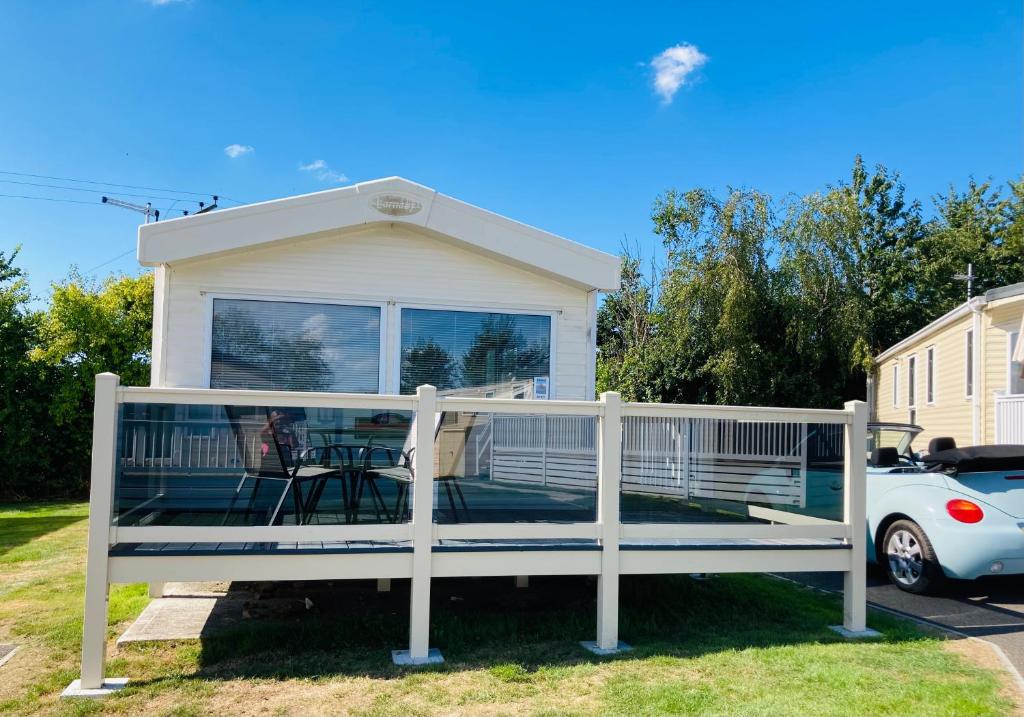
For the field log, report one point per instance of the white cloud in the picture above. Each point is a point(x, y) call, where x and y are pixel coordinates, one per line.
point(673, 67)
point(237, 150)
point(320, 169)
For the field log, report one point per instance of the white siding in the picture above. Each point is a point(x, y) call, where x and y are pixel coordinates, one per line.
point(383, 263)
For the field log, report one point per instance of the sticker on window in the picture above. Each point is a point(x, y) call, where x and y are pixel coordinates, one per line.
point(540, 388)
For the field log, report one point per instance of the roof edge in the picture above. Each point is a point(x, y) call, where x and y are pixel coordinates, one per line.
point(199, 235)
point(963, 309)
point(1005, 292)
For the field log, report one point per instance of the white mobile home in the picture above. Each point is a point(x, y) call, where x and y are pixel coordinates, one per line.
point(382, 382)
point(371, 272)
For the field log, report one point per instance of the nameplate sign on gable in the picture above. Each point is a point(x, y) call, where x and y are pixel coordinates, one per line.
point(395, 205)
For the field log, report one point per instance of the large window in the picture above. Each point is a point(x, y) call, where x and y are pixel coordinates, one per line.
point(295, 346)
point(489, 354)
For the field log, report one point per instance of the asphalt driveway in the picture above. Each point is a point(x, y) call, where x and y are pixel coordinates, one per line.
point(990, 608)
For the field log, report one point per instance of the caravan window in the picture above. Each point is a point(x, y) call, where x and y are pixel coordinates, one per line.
point(476, 353)
point(295, 346)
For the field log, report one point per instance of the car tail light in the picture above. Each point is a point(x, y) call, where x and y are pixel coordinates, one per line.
point(964, 510)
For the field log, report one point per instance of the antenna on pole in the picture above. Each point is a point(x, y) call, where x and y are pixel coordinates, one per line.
point(969, 277)
point(146, 208)
point(203, 207)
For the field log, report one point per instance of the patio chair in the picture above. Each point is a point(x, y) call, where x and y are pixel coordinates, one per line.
point(349, 466)
point(397, 468)
point(402, 472)
point(266, 459)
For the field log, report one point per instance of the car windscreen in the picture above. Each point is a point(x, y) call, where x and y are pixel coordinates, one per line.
point(890, 437)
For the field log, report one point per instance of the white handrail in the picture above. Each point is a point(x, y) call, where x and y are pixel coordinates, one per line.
point(739, 413)
point(297, 399)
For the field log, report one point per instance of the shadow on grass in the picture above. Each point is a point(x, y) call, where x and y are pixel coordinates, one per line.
point(487, 623)
point(23, 525)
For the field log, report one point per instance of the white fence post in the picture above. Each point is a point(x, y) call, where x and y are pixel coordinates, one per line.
point(855, 515)
point(609, 474)
point(419, 652)
point(101, 501)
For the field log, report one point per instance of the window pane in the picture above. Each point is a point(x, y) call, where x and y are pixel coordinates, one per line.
point(1016, 367)
point(970, 364)
point(931, 376)
point(911, 381)
point(496, 354)
point(295, 346)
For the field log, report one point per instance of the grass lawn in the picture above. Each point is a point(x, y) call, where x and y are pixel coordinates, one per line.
point(737, 645)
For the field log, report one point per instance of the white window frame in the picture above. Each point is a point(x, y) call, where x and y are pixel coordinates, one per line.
point(929, 375)
point(396, 358)
point(969, 367)
point(331, 300)
point(896, 384)
point(1009, 358)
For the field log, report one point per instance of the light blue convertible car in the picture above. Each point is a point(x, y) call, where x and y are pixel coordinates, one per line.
point(951, 513)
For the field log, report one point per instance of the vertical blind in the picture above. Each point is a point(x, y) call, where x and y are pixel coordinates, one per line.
point(295, 346)
point(466, 349)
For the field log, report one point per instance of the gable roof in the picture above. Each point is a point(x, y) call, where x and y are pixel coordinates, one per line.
point(977, 303)
point(382, 201)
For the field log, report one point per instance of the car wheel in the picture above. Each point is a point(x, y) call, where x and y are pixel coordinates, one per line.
point(909, 558)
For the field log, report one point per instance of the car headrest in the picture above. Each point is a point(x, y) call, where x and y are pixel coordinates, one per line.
point(941, 443)
point(885, 457)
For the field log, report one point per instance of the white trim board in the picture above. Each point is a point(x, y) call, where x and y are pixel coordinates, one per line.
point(353, 207)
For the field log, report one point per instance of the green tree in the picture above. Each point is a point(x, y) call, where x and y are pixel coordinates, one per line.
point(848, 269)
point(718, 315)
point(768, 303)
point(978, 226)
point(625, 334)
point(91, 328)
point(26, 431)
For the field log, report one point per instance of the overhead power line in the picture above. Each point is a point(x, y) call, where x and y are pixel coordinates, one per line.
point(110, 261)
point(51, 199)
point(115, 184)
point(85, 189)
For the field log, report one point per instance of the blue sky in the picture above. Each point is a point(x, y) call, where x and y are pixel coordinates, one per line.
point(552, 114)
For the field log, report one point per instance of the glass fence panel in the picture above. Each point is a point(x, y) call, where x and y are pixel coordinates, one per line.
point(209, 465)
point(514, 468)
point(700, 470)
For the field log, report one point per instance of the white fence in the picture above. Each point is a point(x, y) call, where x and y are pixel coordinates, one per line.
point(179, 444)
point(712, 458)
point(418, 550)
point(1010, 419)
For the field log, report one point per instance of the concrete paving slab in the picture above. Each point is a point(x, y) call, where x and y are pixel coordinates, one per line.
point(188, 611)
point(7, 652)
point(109, 686)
